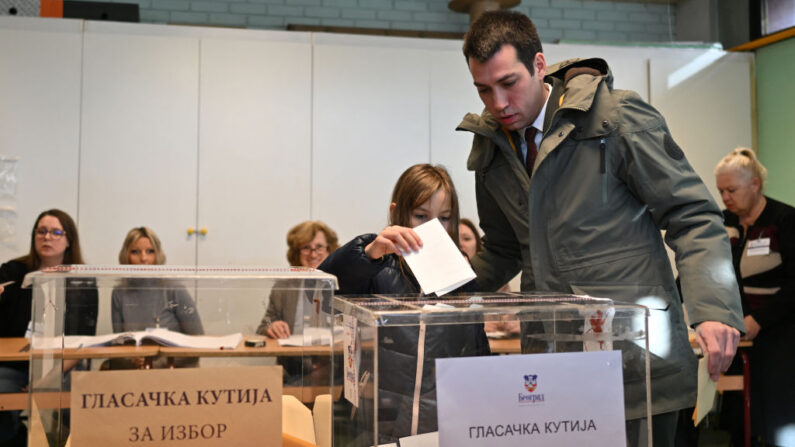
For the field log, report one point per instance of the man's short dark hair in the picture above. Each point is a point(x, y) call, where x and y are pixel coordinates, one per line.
point(494, 29)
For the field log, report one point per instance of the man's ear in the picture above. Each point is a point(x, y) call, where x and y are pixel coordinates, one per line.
point(540, 64)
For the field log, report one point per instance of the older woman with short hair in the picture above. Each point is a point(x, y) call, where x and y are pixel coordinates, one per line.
point(762, 234)
point(309, 243)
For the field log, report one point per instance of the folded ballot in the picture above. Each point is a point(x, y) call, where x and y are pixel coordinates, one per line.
point(158, 335)
point(438, 265)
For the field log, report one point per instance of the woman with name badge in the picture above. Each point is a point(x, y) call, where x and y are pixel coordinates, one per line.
point(762, 234)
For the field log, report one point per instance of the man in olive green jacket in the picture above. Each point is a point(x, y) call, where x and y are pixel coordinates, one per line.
point(586, 219)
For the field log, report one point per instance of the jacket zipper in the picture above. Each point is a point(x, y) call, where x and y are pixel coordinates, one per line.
point(603, 169)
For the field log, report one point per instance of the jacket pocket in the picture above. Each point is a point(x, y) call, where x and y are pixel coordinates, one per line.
point(568, 261)
point(661, 333)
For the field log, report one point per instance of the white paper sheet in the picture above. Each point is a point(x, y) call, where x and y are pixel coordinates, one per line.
point(423, 440)
point(563, 399)
point(706, 392)
point(438, 265)
point(311, 336)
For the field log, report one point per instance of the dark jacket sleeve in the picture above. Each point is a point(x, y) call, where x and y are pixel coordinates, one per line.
point(15, 302)
point(352, 267)
point(501, 257)
point(780, 308)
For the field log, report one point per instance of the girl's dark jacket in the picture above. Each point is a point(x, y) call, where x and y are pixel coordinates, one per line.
point(399, 350)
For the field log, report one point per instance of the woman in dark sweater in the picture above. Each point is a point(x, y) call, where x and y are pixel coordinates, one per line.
point(372, 264)
point(53, 241)
point(762, 235)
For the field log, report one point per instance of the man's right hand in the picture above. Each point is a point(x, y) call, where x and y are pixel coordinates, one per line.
point(278, 329)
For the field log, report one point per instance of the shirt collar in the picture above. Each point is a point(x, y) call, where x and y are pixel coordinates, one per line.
point(539, 122)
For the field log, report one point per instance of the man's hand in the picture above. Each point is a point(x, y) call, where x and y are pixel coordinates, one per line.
point(278, 329)
point(751, 328)
point(718, 342)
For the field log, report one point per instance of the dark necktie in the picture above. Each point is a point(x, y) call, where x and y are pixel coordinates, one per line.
point(532, 150)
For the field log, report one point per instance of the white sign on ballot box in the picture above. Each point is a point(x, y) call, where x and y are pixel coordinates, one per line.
point(563, 399)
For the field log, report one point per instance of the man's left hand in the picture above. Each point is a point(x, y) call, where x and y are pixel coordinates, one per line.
point(718, 342)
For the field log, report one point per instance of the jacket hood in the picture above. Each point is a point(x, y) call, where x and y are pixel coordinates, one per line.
point(572, 67)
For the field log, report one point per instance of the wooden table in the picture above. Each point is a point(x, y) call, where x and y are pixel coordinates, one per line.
point(18, 349)
point(14, 349)
point(271, 349)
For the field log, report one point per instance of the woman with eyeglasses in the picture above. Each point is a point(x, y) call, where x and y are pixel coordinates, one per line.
point(54, 241)
point(309, 243)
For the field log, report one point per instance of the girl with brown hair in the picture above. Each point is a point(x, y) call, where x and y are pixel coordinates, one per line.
point(373, 264)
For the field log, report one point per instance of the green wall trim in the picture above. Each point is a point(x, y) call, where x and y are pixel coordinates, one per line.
point(775, 65)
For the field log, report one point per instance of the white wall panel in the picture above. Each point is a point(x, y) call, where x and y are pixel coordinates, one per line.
point(39, 123)
point(255, 143)
point(705, 96)
point(139, 140)
point(452, 96)
point(370, 120)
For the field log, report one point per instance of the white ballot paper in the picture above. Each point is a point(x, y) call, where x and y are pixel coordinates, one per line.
point(439, 265)
point(423, 440)
point(564, 400)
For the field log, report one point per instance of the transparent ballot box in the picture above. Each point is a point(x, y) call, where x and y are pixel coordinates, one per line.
point(490, 369)
point(159, 355)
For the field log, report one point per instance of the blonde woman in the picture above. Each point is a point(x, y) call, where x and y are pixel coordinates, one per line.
point(762, 235)
point(141, 303)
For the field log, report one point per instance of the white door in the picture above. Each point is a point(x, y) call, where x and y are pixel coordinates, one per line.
point(138, 160)
point(254, 147)
point(254, 163)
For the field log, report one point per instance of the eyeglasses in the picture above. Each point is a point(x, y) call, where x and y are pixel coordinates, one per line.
point(56, 234)
point(320, 249)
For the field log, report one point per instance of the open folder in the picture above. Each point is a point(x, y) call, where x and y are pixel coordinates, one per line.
point(158, 335)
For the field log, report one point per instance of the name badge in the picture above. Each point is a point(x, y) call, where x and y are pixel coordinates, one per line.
point(759, 247)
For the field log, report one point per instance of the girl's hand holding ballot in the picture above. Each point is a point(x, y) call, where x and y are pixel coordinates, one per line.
point(393, 239)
